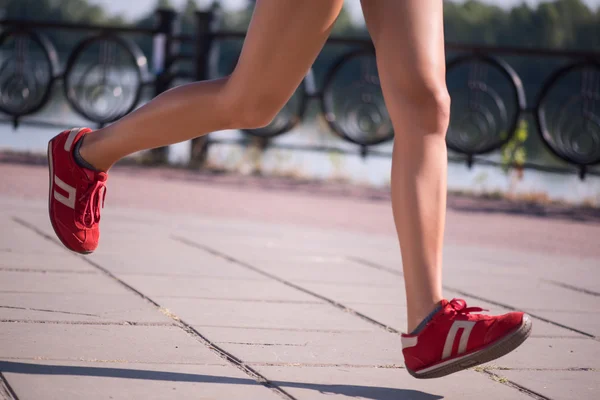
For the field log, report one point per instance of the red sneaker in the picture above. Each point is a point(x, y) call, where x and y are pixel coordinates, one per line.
point(455, 340)
point(76, 194)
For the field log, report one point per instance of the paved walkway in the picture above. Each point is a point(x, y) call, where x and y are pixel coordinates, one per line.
point(223, 288)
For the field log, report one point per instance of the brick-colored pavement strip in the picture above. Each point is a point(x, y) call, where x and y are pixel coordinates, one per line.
point(498, 223)
point(229, 287)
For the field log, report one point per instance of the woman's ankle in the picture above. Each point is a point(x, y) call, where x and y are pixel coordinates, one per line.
point(421, 311)
point(87, 152)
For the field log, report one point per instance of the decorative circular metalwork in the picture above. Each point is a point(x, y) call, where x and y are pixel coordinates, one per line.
point(568, 113)
point(27, 67)
point(104, 78)
point(487, 99)
point(353, 102)
point(288, 117)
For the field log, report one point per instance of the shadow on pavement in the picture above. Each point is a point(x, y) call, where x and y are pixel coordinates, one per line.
point(368, 392)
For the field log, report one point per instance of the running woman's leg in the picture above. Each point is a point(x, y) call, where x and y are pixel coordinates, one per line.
point(283, 40)
point(409, 42)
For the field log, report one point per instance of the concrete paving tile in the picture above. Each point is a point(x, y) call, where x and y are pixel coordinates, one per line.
point(391, 315)
point(25, 282)
point(524, 293)
point(395, 316)
point(389, 258)
point(326, 270)
point(473, 262)
point(220, 288)
point(159, 344)
point(559, 385)
point(578, 279)
point(10, 204)
point(384, 384)
point(54, 380)
point(15, 237)
point(257, 250)
point(267, 325)
point(272, 336)
point(535, 263)
point(167, 257)
point(263, 315)
point(588, 322)
point(356, 348)
point(540, 328)
point(552, 353)
point(78, 307)
point(391, 293)
point(36, 261)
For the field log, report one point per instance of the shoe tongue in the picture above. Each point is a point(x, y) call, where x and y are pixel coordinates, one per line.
point(444, 303)
point(89, 174)
point(93, 176)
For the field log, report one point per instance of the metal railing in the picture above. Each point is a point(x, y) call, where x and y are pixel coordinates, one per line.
point(105, 73)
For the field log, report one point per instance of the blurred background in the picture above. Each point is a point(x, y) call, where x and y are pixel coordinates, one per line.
point(524, 77)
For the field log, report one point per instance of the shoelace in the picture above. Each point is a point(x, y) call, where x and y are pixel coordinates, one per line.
point(94, 200)
point(460, 306)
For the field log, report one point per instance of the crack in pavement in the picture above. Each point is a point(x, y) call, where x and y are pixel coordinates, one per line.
point(99, 323)
point(289, 364)
point(570, 369)
point(540, 336)
point(106, 361)
point(267, 344)
point(571, 287)
point(511, 384)
point(371, 264)
point(46, 271)
point(49, 311)
point(341, 331)
point(326, 365)
point(6, 392)
point(243, 300)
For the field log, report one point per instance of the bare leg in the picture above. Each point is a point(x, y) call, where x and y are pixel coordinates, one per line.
point(283, 40)
point(409, 40)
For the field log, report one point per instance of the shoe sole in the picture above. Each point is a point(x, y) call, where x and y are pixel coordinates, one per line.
point(51, 189)
point(498, 349)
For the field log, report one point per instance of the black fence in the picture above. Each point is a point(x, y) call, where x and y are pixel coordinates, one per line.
point(105, 75)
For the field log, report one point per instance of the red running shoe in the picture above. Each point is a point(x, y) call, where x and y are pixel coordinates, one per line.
point(76, 194)
point(455, 339)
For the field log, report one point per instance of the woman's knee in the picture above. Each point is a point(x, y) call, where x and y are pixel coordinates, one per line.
point(422, 93)
point(252, 110)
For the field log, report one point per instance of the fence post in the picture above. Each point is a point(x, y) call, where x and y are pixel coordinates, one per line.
point(206, 24)
point(162, 58)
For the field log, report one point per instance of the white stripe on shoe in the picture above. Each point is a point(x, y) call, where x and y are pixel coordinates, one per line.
point(71, 191)
point(467, 327)
point(410, 341)
point(71, 138)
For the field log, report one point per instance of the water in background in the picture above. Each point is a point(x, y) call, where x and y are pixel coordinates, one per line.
point(372, 170)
